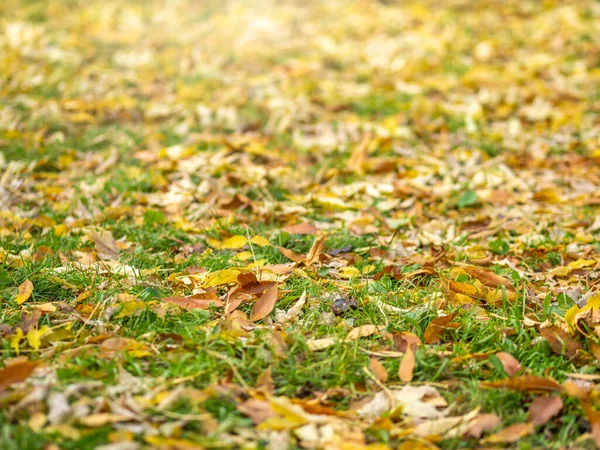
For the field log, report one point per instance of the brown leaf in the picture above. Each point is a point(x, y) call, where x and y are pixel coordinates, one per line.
point(378, 370)
point(543, 409)
point(509, 362)
point(264, 305)
point(301, 228)
point(436, 328)
point(560, 341)
point(407, 366)
point(482, 423)
point(404, 340)
point(105, 243)
point(290, 254)
point(511, 433)
point(265, 381)
point(594, 418)
point(257, 410)
point(531, 383)
point(315, 251)
point(247, 278)
point(488, 278)
point(194, 302)
point(17, 372)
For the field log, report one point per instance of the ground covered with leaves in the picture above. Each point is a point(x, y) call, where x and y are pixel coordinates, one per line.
point(299, 224)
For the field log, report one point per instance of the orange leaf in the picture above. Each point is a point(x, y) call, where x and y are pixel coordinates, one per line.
point(378, 369)
point(17, 372)
point(525, 383)
point(511, 433)
point(436, 328)
point(264, 305)
point(407, 366)
point(315, 251)
point(290, 254)
point(301, 228)
point(194, 302)
point(488, 278)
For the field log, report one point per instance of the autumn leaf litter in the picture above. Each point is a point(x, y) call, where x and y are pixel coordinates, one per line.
point(330, 225)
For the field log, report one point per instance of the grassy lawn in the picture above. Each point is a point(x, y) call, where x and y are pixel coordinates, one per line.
point(336, 225)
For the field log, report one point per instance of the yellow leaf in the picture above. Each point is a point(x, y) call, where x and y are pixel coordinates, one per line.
point(219, 277)
point(243, 256)
point(233, 243)
point(34, 337)
point(593, 302)
point(349, 272)
point(582, 263)
point(25, 291)
point(15, 339)
point(260, 241)
point(132, 308)
point(60, 230)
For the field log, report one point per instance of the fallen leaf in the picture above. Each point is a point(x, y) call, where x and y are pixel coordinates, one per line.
point(437, 327)
point(17, 372)
point(106, 246)
point(487, 277)
point(194, 302)
point(257, 410)
point(483, 423)
point(264, 305)
point(445, 426)
point(232, 243)
point(407, 366)
point(593, 417)
point(24, 293)
point(265, 381)
point(511, 433)
point(560, 341)
point(509, 362)
point(378, 370)
point(315, 251)
point(290, 254)
point(295, 309)
point(320, 344)
point(301, 228)
point(542, 409)
point(531, 383)
point(415, 401)
point(363, 331)
point(260, 241)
